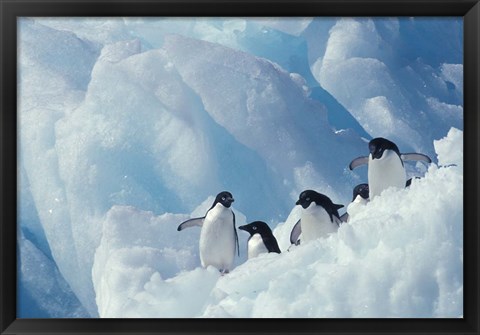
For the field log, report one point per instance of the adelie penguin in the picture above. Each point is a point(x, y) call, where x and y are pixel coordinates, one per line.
point(319, 217)
point(218, 237)
point(361, 196)
point(261, 239)
point(385, 165)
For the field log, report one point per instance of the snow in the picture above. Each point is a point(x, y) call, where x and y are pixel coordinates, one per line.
point(399, 256)
point(129, 126)
point(450, 148)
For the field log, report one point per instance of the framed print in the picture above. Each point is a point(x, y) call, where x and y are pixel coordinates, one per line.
point(239, 167)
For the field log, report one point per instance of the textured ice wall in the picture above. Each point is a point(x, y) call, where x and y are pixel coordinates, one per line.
point(398, 77)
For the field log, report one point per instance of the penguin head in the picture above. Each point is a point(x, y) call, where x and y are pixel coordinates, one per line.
point(361, 190)
point(378, 145)
point(256, 227)
point(225, 198)
point(307, 197)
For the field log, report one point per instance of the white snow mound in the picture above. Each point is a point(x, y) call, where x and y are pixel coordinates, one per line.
point(399, 257)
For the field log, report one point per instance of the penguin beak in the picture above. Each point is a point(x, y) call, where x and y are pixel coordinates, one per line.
point(304, 204)
point(242, 228)
point(230, 200)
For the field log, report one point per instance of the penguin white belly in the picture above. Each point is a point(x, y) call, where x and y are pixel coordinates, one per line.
point(316, 223)
point(217, 239)
point(356, 206)
point(385, 172)
point(256, 246)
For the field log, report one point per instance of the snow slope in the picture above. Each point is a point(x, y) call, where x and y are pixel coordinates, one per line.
point(124, 121)
point(401, 256)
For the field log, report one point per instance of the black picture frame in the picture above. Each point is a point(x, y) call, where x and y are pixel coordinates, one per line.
point(10, 10)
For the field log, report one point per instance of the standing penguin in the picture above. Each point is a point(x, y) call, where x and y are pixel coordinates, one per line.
point(218, 237)
point(319, 217)
point(385, 165)
point(261, 239)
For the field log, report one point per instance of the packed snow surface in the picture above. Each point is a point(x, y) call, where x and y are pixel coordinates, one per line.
point(400, 256)
point(129, 126)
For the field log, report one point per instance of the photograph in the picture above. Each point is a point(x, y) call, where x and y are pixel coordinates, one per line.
point(240, 167)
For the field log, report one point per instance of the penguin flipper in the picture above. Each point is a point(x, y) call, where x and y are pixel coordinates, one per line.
point(414, 156)
point(236, 235)
point(344, 217)
point(359, 161)
point(191, 223)
point(337, 220)
point(409, 181)
point(271, 244)
point(295, 234)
